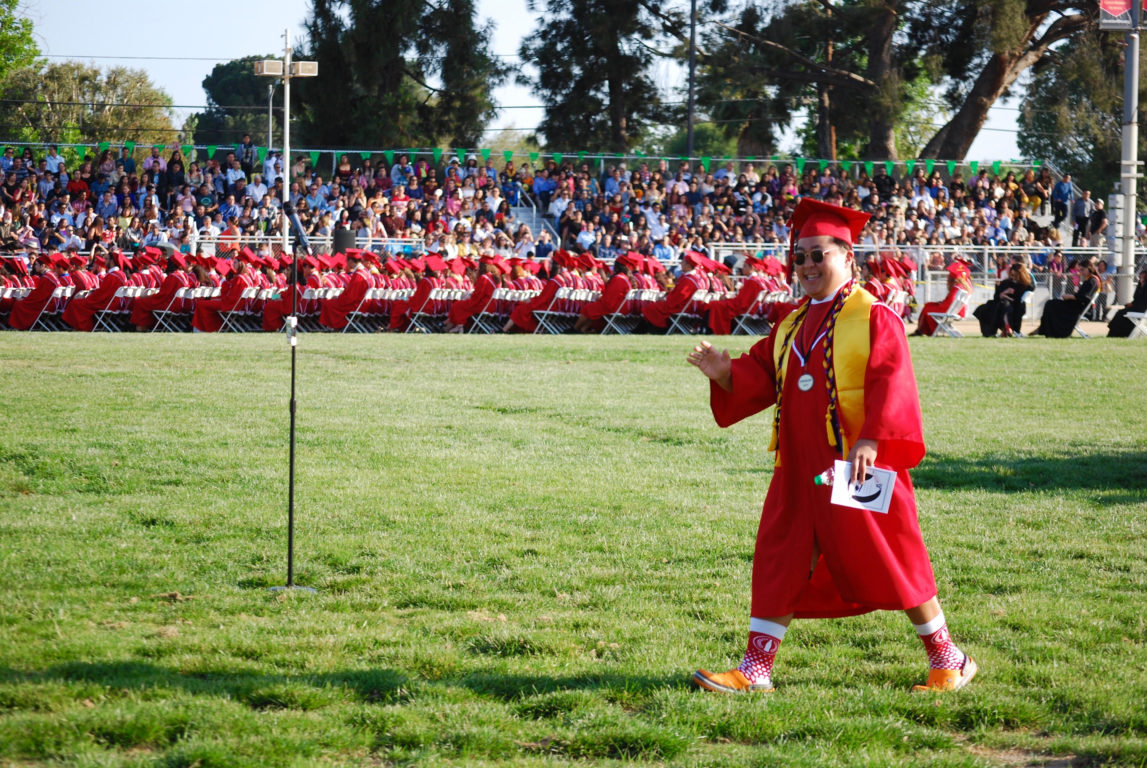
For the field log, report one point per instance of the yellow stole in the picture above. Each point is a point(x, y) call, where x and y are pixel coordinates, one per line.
point(851, 347)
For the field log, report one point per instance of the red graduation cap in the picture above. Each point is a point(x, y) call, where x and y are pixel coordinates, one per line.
point(338, 261)
point(813, 218)
point(435, 262)
point(696, 259)
point(531, 266)
point(458, 266)
point(153, 252)
point(45, 258)
point(18, 266)
point(310, 261)
point(222, 266)
point(324, 261)
point(418, 265)
point(392, 266)
point(77, 260)
point(179, 259)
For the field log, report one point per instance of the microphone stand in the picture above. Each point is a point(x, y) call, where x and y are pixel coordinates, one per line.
point(292, 335)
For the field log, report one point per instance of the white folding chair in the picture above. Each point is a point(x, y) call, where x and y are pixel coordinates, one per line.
point(628, 316)
point(488, 319)
point(753, 321)
point(555, 318)
point(234, 319)
point(1079, 320)
point(1139, 324)
point(690, 320)
point(359, 320)
point(174, 318)
point(945, 320)
point(49, 317)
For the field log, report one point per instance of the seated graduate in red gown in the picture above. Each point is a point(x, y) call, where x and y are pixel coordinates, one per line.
point(178, 277)
point(336, 308)
point(81, 312)
point(489, 280)
point(301, 275)
point(693, 279)
point(872, 277)
point(522, 317)
point(15, 275)
point(722, 312)
point(48, 270)
point(431, 280)
point(208, 317)
point(591, 318)
point(959, 278)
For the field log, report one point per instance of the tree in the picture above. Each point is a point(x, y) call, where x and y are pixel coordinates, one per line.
point(397, 73)
point(592, 58)
point(236, 104)
point(1073, 112)
point(72, 101)
point(17, 46)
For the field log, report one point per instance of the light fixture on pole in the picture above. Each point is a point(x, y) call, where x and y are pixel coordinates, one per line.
point(286, 69)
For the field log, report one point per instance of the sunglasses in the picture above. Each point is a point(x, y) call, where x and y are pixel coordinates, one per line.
point(816, 254)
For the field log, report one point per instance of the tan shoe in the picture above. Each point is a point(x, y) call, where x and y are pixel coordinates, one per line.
point(733, 681)
point(949, 679)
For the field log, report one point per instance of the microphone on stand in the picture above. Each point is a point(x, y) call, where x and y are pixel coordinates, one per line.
point(297, 226)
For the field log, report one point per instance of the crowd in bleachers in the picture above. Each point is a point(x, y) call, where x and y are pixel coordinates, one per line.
point(111, 209)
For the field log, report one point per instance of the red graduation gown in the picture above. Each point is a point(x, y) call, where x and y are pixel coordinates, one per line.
point(721, 313)
point(274, 310)
point(208, 316)
point(523, 314)
point(419, 302)
point(26, 310)
point(144, 306)
point(336, 309)
point(80, 313)
point(612, 297)
point(659, 312)
point(868, 560)
point(463, 310)
point(927, 324)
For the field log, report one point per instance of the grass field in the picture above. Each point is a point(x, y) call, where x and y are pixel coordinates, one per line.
point(523, 547)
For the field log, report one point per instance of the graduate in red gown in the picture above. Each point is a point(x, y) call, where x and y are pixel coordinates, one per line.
point(959, 278)
point(591, 318)
point(489, 280)
point(839, 373)
point(522, 317)
point(336, 308)
point(692, 279)
point(49, 271)
point(722, 312)
point(431, 280)
point(178, 276)
point(275, 310)
point(208, 317)
point(80, 313)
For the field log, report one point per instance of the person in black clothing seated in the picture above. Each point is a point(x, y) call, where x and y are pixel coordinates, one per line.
point(1061, 315)
point(1005, 311)
point(1120, 326)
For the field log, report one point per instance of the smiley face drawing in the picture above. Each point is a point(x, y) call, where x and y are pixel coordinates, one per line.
point(867, 491)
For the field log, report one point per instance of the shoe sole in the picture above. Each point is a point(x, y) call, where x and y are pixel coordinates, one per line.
point(970, 670)
point(703, 682)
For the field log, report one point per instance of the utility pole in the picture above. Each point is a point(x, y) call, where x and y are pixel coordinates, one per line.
point(692, 70)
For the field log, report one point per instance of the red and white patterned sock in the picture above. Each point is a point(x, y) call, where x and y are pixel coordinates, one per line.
point(942, 652)
point(764, 640)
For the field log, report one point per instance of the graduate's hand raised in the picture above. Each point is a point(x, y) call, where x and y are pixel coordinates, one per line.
point(716, 365)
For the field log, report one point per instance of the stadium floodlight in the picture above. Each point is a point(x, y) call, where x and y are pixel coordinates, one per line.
point(286, 69)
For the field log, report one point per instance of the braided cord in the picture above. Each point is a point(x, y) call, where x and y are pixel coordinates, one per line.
point(829, 369)
point(797, 322)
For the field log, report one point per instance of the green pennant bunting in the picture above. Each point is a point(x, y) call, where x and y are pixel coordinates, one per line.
point(640, 155)
point(103, 146)
point(82, 151)
point(682, 159)
point(750, 158)
point(822, 164)
point(365, 156)
point(485, 155)
point(160, 147)
point(314, 153)
point(260, 155)
point(910, 165)
point(996, 167)
point(187, 149)
point(211, 149)
point(508, 155)
point(951, 168)
point(437, 152)
point(775, 158)
point(929, 164)
point(581, 156)
point(888, 166)
point(868, 166)
point(389, 155)
point(534, 158)
point(461, 153)
point(129, 146)
point(800, 165)
point(1037, 163)
point(847, 166)
point(706, 162)
point(975, 166)
point(558, 157)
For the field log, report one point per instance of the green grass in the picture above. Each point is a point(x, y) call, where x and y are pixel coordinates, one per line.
point(523, 547)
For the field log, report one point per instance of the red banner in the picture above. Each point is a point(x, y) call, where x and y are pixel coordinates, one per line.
point(1115, 15)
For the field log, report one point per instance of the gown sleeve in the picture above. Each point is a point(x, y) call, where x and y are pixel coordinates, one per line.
point(754, 386)
point(891, 403)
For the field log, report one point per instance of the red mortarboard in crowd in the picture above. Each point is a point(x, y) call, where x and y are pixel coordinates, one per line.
point(813, 218)
point(323, 260)
point(310, 261)
point(435, 262)
point(154, 252)
point(418, 265)
point(696, 259)
point(222, 266)
point(121, 260)
point(77, 260)
point(17, 265)
point(286, 260)
point(458, 266)
point(59, 260)
point(877, 267)
point(179, 259)
point(338, 261)
point(45, 258)
point(959, 269)
point(392, 266)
